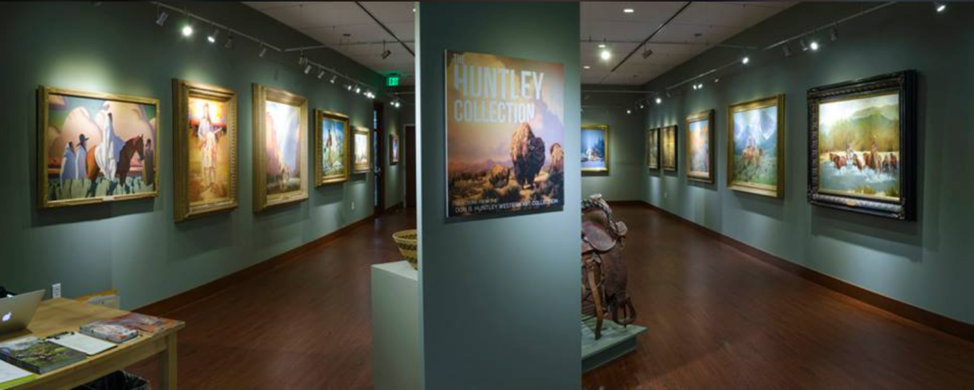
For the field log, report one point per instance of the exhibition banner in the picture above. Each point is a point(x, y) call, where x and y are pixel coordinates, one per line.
point(505, 135)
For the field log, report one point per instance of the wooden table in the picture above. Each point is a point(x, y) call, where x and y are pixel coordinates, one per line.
point(62, 315)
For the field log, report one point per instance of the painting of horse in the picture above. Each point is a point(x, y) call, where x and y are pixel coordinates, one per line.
point(280, 147)
point(96, 147)
point(755, 133)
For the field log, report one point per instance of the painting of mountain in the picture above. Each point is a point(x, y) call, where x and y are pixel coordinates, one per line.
point(755, 153)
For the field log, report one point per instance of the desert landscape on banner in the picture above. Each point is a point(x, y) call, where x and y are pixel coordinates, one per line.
point(505, 135)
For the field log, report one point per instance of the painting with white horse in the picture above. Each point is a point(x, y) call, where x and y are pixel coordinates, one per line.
point(96, 147)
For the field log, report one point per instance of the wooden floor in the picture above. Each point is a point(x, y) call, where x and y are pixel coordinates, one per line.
point(717, 319)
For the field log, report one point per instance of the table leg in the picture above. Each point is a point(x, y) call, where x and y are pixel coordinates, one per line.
point(167, 364)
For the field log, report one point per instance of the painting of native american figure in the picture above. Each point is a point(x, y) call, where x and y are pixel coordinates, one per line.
point(755, 158)
point(700, 147)
point(206, 149)
point(331, 147)
point(95, 147)
point(862, 143)
point(280, 147)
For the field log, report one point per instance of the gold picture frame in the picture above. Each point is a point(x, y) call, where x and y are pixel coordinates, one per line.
point(602, 170)
point(753, 186)
point(707, 177)
point(357, 165)
point(185, 207)
point(282, 195)
point(669, 151)
point(321, 177)
point(653, 141)
point(136, 113)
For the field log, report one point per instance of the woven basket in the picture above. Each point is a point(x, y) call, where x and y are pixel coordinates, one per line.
point(406, 241)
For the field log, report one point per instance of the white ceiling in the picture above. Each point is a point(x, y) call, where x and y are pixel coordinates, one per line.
point(701, 23)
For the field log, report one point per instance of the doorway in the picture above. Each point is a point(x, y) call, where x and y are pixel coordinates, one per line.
point(378, 157)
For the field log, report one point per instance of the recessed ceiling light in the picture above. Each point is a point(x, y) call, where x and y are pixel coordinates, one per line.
point(605, 54)
point(586, 67)
point(628, 10)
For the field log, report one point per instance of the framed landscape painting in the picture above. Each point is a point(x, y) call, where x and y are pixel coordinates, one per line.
point(393, 149)
point(95, 147)
point(755, 146)
point(652, 149)
point(700, 147)
point(205, 165)
point(668, 145)
point(363, 150)
point(862, 140)
point(595, 150)
point(280, 147)
point(332, 139)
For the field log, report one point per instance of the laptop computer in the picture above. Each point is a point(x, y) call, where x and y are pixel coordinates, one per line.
point(17, 311)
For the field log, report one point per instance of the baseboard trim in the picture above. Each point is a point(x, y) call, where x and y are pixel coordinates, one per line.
point(168, 305)
point(919, 315)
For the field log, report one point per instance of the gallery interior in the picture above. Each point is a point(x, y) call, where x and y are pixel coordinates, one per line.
point(354, 195)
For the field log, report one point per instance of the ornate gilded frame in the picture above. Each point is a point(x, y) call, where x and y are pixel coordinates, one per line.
point(43, 101)
point(711, 133)
point(182, 91)
point(261, 94)
point(777, 191)
point(320, 178)
point(653, 135)
point(362, 168)
point(902, 83)
point(675, 131)
point(605, 136)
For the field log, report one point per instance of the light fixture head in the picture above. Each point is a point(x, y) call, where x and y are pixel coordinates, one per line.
point(668, 94)
point(229, 44)
point(302, 59)
point(321, 74)
point(348, 87)
point(333, 78)
point(940, 6)
point(386, 54)
point(605, 55)
point(834, 34)
point(161, 18)
point(358, 89)
point(187, 30)
point(659, 100)
point(263, 51)
point(586, 67)
point(602, 45)
point(803, 44)
point(813, 46)
point(212, 37)
point(745, 60)
point(628, 10)
point(307, 69)
point(716, 80)
point(628, 112)
point(786, 50)
point(646, 53)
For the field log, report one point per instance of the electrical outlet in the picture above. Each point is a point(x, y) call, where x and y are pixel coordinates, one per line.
point(353, 206)
point(56, 290)
point(664, 194)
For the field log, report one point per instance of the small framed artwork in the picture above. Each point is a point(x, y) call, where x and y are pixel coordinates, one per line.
point(700, 147)
point(652, 149)
point(668, 145)
point(755, 146)
point(280, 147)
point(332, 140)
point(393, 149)
point(595, 149)
point(363, 150)
point(205, 144)
point(862, 141)
point(95, 147)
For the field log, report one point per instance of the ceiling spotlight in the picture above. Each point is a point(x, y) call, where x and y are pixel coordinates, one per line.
point(358, 89)
point(187, 30)
point(668, 94)
point(659, 100)
point(785, 49)
point(263, 51)
point(605, 54)
point(803, 44)
point(716, 80)
point(833, 34)
point(602, 45)
point(745, 60)
point(212, 37)
point(321, 74)
point(694, 87)
point(333, 78)
point(641, 106)
point(628, 112)
point(386, 54)
point(646, 53)
point(586, 67)
point(307, 69)
point(302, 59)
point(161, 19)
point(628, 10)
point(229, 44)
point(813, 46)
point(348, 87)
point(939, 6)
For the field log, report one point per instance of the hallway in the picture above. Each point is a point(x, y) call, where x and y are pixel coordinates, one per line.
point(716, 318)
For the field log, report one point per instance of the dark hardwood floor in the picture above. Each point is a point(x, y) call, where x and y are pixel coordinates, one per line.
point(717, 319)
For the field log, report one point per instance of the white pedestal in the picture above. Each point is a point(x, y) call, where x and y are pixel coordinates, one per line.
point(395, 326)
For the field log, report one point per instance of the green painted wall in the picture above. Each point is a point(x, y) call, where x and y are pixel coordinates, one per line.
point(135, 246)
point(926, 263)
point(500, 297)
point(626, 179)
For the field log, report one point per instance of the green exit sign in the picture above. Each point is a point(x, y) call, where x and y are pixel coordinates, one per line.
point(392, 80)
